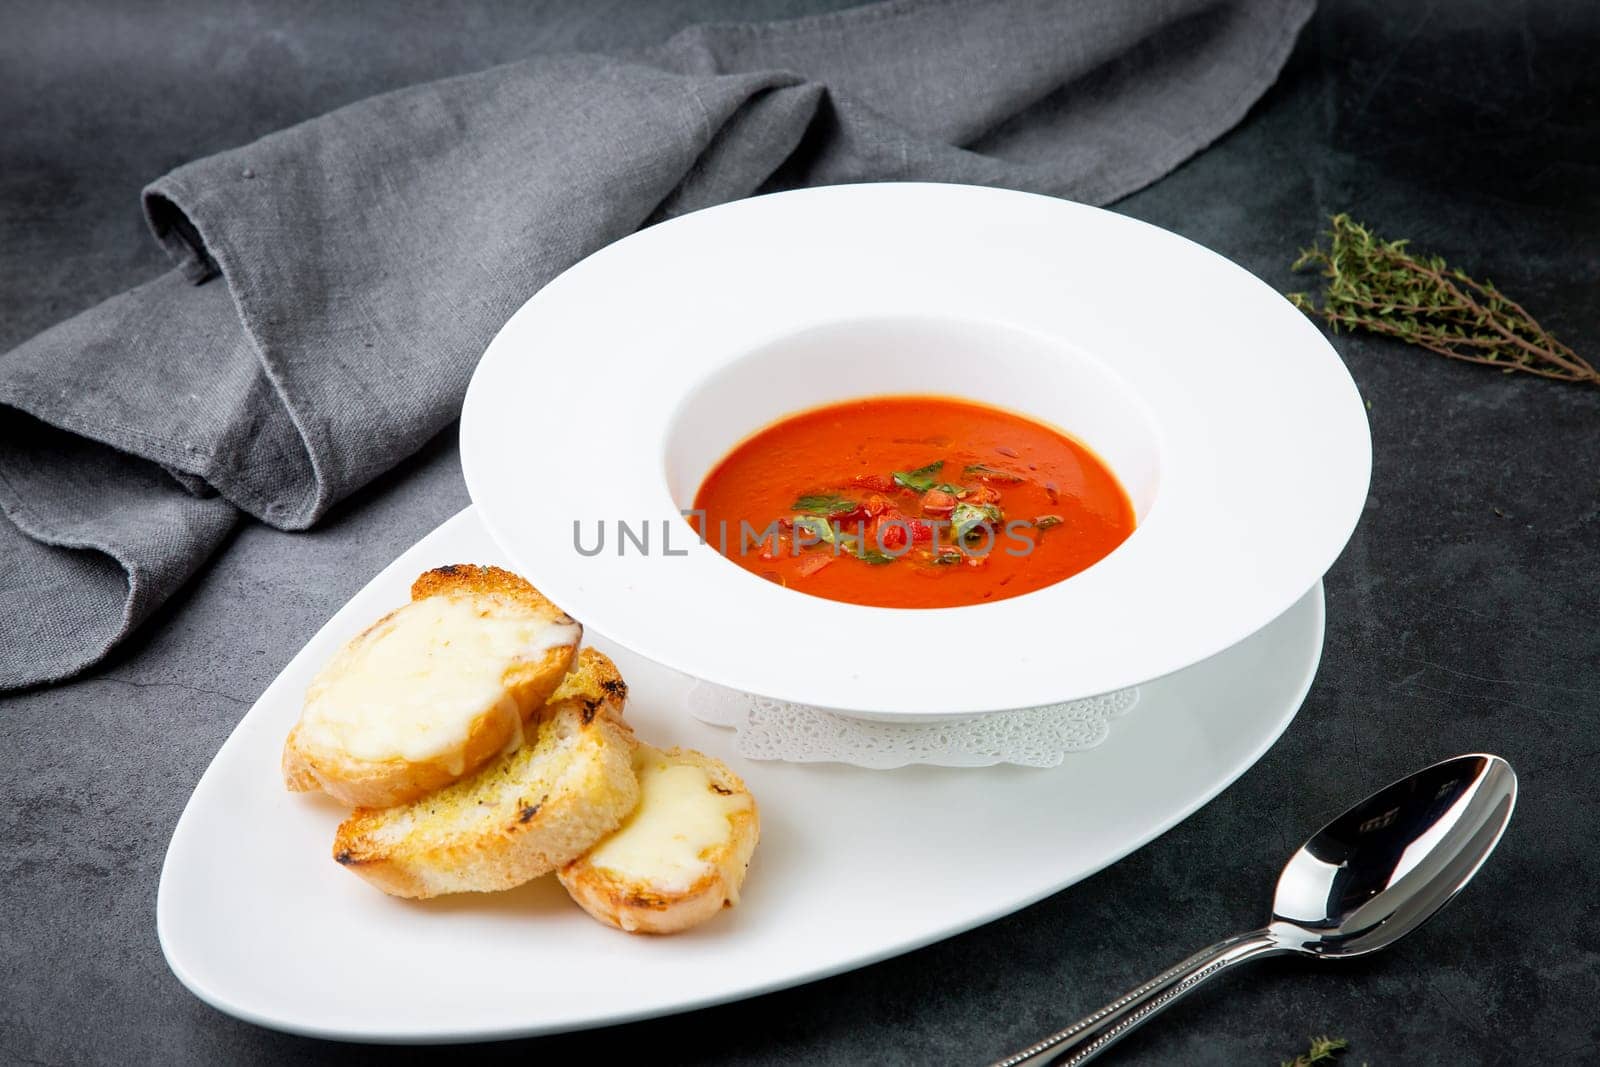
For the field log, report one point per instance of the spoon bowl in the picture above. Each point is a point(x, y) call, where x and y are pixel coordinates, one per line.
point(1384, 867)
point(1359, 884)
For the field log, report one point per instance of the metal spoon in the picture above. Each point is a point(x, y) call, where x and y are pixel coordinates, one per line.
point(1361, 883)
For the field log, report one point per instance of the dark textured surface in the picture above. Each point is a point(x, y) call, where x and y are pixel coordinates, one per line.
point(1462, 616)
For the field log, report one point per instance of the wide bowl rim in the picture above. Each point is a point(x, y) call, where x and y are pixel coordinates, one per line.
point(1311, 455)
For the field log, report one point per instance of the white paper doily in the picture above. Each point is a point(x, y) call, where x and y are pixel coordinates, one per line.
point(798, 733)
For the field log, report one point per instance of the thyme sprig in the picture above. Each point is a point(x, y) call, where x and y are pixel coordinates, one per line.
point(1322, 1050)
point(1382, 287)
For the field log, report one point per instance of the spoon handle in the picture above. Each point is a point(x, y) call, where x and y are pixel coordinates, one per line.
point(1093, 1034)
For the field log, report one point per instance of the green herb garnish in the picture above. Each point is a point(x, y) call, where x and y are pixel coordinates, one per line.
point(966, 518)
point(993, 474)
point(842, 540)
point(856, 545)
point(919, 480)
point(1044, 522)
point(820, 528)
point(824, 504)
point(947, 556)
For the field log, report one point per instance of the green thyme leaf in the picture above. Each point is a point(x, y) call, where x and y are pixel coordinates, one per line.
point(1322, 1050)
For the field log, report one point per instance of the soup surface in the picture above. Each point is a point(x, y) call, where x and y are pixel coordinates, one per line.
point(912, 502)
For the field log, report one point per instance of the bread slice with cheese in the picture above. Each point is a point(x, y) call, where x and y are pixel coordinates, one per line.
point(681, 855)
point(524, 814)
point(432, 691)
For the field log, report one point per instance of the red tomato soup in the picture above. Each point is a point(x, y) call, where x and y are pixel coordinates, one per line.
point(912, 502)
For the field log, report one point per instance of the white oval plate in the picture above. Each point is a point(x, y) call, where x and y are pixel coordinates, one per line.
point(609, 395)
point(854, 865)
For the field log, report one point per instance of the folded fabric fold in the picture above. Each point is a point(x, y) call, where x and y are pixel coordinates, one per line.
point(335, 283)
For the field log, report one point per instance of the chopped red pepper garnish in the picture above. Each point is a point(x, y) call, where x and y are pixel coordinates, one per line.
point(939, 503)
point(813, 563)
point(881, 483)
point(984, 494)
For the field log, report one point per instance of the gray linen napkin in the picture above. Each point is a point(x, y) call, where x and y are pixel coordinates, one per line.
point(336, 282)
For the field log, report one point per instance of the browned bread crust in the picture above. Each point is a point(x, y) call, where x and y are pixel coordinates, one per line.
point(646, 908)
point(522, 815)
point(525, 686)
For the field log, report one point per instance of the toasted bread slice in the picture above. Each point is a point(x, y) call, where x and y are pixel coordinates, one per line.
point(680, 857)
point(432, 691)
point(525, 814)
